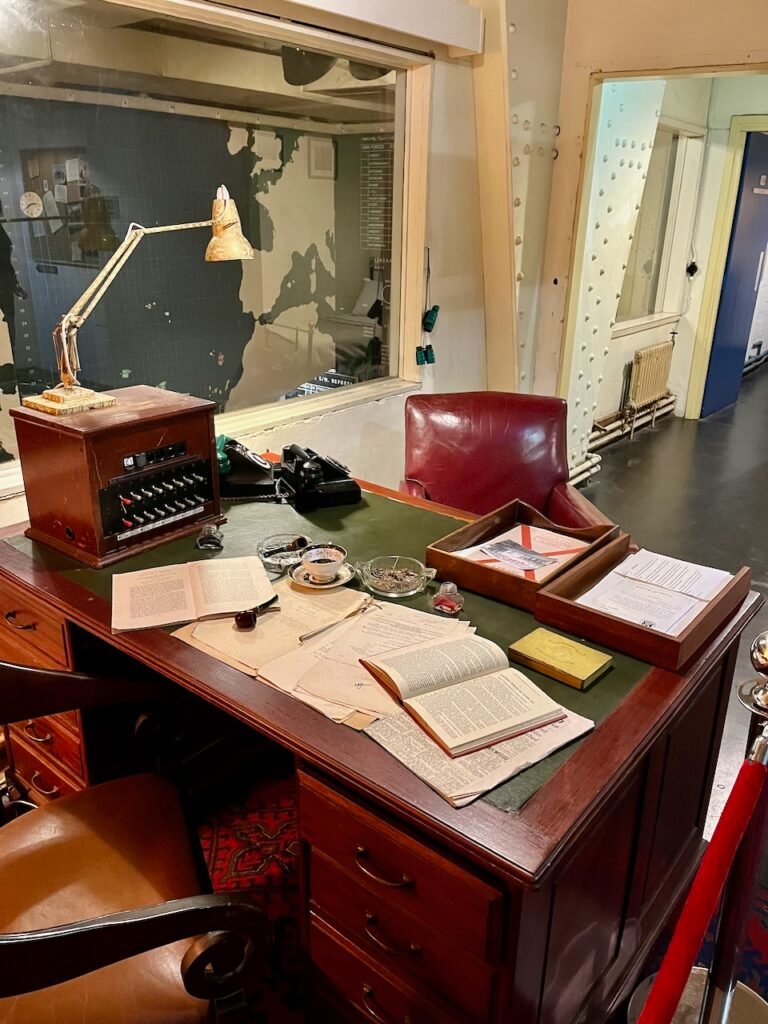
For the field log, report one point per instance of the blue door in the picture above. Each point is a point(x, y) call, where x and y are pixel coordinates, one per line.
point(744, 273)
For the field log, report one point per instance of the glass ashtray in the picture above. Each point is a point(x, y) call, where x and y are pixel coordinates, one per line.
point(395, 575)
point(282, 551)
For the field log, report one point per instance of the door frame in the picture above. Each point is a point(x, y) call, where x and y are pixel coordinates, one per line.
point(741, 126)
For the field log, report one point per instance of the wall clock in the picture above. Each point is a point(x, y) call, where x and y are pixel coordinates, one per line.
point(31, 204)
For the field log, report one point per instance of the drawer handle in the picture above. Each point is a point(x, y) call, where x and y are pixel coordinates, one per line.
point(30, 730)
point(361, 854)
point(371, 927)
point(368, 998)
point(10, 618)
point(53, 791)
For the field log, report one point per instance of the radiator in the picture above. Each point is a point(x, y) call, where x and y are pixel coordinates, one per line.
point(649, 376)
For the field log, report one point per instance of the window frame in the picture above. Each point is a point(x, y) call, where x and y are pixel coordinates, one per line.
point(409, 228)
point(678, 233)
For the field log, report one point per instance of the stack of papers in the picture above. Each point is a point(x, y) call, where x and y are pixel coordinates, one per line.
point(328, 668)
point(656, 591)
point(312, 649)
point(460, 780)
point(529, 552)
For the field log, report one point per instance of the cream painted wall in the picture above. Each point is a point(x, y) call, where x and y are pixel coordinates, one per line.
point(535, 46)
point(367, 438)
point(738, 94)
point(605, 37)
point(687, 100)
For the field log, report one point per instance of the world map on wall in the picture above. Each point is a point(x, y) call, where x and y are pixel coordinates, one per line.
point(241, 334)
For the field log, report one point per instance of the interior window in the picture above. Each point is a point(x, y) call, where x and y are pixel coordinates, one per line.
point(111, 116)
point(642, 289)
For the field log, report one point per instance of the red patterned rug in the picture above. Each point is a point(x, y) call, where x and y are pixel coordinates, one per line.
point(251, 847)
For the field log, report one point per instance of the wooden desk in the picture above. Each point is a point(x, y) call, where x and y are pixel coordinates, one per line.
point(415, 910)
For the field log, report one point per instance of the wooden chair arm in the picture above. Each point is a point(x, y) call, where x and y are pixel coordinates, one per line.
point(233, 930)
point(32, 692)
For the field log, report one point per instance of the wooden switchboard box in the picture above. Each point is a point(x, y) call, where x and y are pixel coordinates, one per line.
point(105, 484)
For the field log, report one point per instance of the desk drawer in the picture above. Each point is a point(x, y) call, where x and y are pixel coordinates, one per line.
point(398, 941)
point(355, 979)
point(52, 741)
point(409, 873)
point(26, 619)
point(16, 652)
point(43, 780)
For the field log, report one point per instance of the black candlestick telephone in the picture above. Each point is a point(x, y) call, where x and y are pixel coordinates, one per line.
point(303, 478)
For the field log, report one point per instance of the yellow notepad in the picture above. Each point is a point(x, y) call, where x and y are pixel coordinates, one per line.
point(556, 656)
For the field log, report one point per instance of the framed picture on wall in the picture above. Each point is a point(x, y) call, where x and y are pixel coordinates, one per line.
point(321, 157)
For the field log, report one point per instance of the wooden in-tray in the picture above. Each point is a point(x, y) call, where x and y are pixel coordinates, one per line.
point(556, 605)
point(495, 583)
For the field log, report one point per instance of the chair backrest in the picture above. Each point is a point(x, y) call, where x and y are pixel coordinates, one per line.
point(477, 450)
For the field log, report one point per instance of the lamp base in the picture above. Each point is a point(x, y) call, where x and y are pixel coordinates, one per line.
point(65, 401)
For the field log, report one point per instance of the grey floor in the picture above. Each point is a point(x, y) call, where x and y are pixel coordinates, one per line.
point(695, 489)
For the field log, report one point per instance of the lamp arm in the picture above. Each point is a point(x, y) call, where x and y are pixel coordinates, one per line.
point(65, 334)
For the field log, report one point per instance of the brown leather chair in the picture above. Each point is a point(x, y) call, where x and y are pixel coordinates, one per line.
point(478, 450)
point(100, 889)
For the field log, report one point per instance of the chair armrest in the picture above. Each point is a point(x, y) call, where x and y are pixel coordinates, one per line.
point(568, 507)
point(211, 969)
point(414, 488)
point(32, 692)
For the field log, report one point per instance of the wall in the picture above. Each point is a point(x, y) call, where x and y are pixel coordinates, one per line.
point(603, 37)
point(536, 40)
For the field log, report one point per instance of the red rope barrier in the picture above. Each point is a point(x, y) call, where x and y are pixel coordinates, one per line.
point(702, 900)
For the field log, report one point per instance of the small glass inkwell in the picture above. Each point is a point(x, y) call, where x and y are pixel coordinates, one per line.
point(211, 538)
point(448, 600)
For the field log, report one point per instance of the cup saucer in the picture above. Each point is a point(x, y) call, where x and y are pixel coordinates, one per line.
point(300, 576)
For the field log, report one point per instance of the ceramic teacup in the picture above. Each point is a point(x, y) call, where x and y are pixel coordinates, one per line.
point(322, 562)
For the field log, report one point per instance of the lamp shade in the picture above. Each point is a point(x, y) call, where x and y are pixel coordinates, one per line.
point(228, 241)
point(302, 67)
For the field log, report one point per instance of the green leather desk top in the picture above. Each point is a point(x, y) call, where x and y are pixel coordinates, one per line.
point(377, 526)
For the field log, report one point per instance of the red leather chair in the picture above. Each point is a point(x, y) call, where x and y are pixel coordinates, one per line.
point(478, 450)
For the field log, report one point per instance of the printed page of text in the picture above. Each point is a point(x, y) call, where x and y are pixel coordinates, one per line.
point(222, 586)
point(483, 707)
point(439, 663)
point(152, 597)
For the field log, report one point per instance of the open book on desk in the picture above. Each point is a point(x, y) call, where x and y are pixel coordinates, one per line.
point(462, 692)
point(194, 590)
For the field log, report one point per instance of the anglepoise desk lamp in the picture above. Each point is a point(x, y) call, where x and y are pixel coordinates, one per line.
point(227, 243)
point(109, 475)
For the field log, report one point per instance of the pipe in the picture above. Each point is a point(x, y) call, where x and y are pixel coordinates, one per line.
point(619, 428)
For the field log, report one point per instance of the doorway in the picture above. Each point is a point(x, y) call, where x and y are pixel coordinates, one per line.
point(741, 329)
